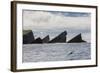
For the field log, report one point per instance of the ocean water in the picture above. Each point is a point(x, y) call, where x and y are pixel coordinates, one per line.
point(56, 52)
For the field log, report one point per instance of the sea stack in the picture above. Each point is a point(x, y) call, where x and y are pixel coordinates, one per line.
point(61, 38)
point(28, 36)
point(76, 39)
point(37, 41)
point(46, 39)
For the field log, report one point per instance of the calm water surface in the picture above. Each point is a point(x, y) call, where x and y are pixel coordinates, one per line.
point(56, 52)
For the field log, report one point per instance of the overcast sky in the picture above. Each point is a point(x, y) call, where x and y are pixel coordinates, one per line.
point(46, 21)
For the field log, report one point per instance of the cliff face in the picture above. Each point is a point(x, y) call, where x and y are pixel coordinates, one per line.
point(28, 37)
point(76, 39)
point(60, 38)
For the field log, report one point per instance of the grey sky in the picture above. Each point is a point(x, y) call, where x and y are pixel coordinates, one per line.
point(73, 22)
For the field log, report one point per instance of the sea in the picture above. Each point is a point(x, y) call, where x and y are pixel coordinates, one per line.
point(56, 52)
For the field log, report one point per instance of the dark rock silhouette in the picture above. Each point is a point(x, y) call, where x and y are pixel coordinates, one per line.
point(76, 39)
point(28, 36)
point(46, 39)
point(37, 41)
point(61, 38)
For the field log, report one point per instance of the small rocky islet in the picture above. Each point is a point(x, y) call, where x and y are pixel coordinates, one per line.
point(28, 38)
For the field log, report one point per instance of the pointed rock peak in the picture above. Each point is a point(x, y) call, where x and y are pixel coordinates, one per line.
point(76, 39)
point(46, 36)
point(79, 35)
point(61, 38)
point(65, 32)
point(38, 40)
point(46, 39)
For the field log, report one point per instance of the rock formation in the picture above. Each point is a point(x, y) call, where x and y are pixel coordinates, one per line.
point(76, 39)
point(37, 41)
point(46, 39)
point(28, 36)
point(60, 38)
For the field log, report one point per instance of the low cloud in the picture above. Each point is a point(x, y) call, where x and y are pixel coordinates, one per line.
point(43, 21)
point(47, 20)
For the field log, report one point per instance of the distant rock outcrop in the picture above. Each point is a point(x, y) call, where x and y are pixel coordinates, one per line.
point(76, 39)
point(60, 38)
point(46, 39)
point(28, 36)
point(37, 41)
